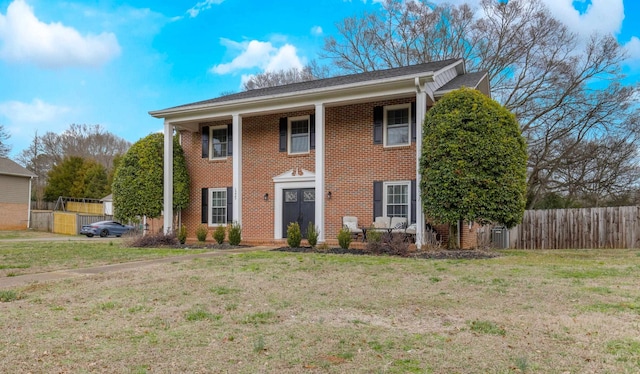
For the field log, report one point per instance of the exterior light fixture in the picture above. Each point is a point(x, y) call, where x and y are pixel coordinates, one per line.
point(329, 195)
point(266, 197)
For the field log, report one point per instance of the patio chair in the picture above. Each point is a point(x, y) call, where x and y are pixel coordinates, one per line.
point(398, 224)
point(382, 223)
point(351, 224)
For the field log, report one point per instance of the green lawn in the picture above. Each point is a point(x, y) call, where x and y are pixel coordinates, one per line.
point(17, 258)
point(273, 312)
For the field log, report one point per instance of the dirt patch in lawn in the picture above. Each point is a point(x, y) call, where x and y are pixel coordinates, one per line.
point(431, 254)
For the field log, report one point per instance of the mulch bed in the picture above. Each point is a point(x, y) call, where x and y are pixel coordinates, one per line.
point(431, 254)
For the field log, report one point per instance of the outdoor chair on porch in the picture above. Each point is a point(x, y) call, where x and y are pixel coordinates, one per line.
point(351, 223)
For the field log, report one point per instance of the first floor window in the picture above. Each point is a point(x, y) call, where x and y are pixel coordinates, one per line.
point(299, 135)
point(396, 199)
point(218, 142)
point(218, 206)
point(396, 125)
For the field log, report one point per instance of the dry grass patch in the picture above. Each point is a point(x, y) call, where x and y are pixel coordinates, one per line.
point(318, 313)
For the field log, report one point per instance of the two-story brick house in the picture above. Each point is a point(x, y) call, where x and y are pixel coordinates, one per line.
point(313, 151)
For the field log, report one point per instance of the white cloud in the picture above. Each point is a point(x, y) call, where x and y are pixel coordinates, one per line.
point(261, 55)
point(602, 16)
point(633, 49)
point(24, 38)
point(202, 6)
point(316, 30)
point(29, 113)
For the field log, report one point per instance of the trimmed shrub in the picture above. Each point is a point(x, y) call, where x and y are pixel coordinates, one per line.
point(294, 236)
point(344, 238)
point(219, 234)
point(201, 233)
point(312, 234)
point(182, 234)
point(235, 234)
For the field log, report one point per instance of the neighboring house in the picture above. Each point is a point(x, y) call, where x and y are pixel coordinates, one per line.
point(15, 195)
point(310, 152)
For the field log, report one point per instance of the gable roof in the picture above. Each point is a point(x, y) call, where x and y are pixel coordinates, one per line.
point(10, 167)
point(470, 80)
point(321, 84)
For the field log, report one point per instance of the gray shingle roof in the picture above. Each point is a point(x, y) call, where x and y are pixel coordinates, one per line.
point(327, 82)
point(470, 80)
point(9, 167)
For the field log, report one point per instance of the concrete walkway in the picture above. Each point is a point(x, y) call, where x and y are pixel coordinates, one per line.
point(25, 280)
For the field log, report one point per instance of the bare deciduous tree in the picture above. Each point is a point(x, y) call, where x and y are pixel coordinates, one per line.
point(564, 90)
point(278, 78)
point(5, 148)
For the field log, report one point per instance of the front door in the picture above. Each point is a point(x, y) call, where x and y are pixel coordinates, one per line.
point(299, 206)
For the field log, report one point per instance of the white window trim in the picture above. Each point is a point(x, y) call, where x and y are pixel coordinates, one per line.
point(210, 207)
point(300, 118)
point(384, 196)
point(211, 129)
point(384, 127)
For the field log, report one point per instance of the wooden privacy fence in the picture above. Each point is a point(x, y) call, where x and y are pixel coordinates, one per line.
point(611, 227)
point(68, 223)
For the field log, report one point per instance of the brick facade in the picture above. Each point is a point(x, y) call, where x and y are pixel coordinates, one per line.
point(352, 163)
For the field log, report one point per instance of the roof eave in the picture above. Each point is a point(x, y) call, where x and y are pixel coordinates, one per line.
point(300, 95)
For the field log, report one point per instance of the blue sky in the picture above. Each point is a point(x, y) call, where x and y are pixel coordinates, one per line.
point(109, 62)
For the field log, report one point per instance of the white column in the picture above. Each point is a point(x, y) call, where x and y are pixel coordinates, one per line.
point(237, 168)
point(421, 110)
point(320, 151)
point(29, 204)
point(168, 177)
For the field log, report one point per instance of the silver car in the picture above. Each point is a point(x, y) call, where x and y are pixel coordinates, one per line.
point(105, 228)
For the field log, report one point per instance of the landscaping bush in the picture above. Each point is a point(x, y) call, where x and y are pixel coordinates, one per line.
point(235, 234)
point(219, 234)
point(312, 234)
point(153, 240)
point(294, 236)
point(182, 234)
point(201, 233)
point(344, 238)
point(398, 246)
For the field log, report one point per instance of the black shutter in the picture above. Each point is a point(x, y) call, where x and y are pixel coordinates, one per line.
point(413, 201)
point(229, 204)
point(283, 134)
point(377, 199)
point(230, 139)
point(413, 122)
point(205, 141)
point(378, 117)
point(312, 131)
point(205, 206)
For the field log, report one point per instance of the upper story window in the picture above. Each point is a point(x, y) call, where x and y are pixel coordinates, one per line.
point(299, 135)
point(218, 141)
point(397, 120)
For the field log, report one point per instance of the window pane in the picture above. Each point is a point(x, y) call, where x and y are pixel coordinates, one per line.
point(397, 126)
point(219, 207)
point(299, 136)
point(309, 196)
point(398, 116)
point(219, 142)
point(397, 200)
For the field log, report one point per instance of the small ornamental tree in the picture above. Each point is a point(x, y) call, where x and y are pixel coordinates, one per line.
point(138, 181)
point(473, 162)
